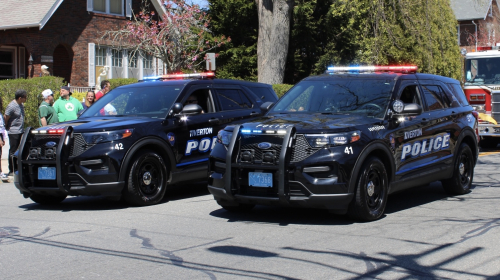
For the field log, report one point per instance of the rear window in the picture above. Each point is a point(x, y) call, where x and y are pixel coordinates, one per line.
point(459, 94)
point(264, 93)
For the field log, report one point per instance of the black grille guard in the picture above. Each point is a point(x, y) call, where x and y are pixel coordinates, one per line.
point(285, 147)
point(61, 162)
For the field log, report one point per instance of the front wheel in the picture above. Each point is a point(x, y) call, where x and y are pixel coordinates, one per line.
point(47, 199)
point(463, 172)
point(371, 191)
point(147, 180)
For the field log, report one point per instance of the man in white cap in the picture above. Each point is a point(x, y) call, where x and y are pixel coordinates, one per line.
point(46, 113)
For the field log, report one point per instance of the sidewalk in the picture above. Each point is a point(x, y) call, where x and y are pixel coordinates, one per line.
point(5, 168)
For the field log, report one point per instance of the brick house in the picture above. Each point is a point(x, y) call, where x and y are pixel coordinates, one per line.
point(64, 35)
point(481, 17)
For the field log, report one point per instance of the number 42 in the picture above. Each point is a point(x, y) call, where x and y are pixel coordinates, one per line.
point(119, 146)
point(348, 150)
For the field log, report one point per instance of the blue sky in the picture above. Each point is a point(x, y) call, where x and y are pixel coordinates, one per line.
point(202, 3)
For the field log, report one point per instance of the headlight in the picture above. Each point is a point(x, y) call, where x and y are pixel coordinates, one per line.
point(224, 137)
point(336, 139)
point(106, 136)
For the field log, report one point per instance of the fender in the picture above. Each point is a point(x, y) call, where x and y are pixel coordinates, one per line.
point(467, 131)
point(150, 140)
point(375, 145)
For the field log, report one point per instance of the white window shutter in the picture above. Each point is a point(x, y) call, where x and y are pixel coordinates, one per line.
point(159, 66)
point(90, 5)
point(91, 65)
point(128, 8)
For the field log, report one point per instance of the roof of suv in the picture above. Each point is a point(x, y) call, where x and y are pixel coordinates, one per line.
point(382, 75)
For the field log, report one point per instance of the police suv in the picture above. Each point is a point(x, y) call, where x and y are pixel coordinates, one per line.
point(345, 140)
point(136, 140)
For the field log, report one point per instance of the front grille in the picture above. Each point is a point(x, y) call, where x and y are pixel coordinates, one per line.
point(250, 143)
point(302, 149)
point(79, 145)
point(39, 148)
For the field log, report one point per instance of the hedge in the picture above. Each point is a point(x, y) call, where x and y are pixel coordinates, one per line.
point(281, 89)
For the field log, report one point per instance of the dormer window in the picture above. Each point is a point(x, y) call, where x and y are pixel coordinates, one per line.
point(112, 7)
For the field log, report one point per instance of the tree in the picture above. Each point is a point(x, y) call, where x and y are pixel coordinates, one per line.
point(420, 32)
point(181, 38)
point(273, 39)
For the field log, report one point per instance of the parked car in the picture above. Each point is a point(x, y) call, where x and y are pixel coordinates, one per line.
point(136, 140)
point(345, 140)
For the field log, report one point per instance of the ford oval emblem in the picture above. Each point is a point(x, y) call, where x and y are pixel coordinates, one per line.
point(50, 144)
point(264, 145)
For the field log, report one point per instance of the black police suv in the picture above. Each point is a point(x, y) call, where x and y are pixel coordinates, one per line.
point(345, 140)
point(136, 140)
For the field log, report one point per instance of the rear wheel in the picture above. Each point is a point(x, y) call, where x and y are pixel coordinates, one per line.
point(489, 142)
point(371, 191)
point(463, 172)
point(47, 199)
point(147, 180)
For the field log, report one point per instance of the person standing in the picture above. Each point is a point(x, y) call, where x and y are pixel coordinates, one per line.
point(14, 118)
point(89, 99)
point(67, 106)
point(46, 113)
point(3, 136)
point(105, 88)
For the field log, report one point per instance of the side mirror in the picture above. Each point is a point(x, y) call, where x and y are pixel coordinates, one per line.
point(266, 106)
point(405, 109)
point(191, 109)
point(177, 108)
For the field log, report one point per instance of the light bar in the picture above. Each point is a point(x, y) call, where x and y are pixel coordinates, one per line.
point(49, 131)
point(373, 68)
point(191, 75)
point(484, 49)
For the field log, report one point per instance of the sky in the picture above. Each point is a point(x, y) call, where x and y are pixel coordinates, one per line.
point(202, 3)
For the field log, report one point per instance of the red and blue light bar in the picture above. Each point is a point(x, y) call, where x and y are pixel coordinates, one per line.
point(373, 68)
point(182, 76)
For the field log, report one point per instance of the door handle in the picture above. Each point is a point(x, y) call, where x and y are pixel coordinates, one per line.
point(254, 114)
point(214, 120)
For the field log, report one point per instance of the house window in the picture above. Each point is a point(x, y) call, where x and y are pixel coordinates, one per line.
point(114, 7)
point(6, 64)
point(117, 58)
point(100, 57)
point(148, 62)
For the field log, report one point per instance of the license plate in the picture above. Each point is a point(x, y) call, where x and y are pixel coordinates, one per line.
point(46, 173)
point(259, 179)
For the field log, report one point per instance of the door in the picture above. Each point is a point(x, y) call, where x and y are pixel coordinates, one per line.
point(197, 133)
point(235, 104)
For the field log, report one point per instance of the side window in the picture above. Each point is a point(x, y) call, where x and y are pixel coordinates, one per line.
point(233, 99)
point(459, 94)
point(434, 96)
point(201, 97)
point(410, 94)
point(264, 93)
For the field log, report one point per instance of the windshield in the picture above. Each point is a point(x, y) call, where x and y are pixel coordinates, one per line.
point(153, 102)
point(482, 70)
point(368, 97)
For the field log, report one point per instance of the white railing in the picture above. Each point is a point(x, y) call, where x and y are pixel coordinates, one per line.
point(81, 89)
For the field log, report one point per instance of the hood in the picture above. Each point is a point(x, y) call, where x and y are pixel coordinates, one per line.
point(307, 123)
point(101, 123)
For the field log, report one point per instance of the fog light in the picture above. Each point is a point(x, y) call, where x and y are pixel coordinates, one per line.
point(268, 157)
point(247, 156)
point(50, 153)
point(35, 153)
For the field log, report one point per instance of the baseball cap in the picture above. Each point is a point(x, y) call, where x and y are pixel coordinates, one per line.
point(65, 87)
point(46, 93)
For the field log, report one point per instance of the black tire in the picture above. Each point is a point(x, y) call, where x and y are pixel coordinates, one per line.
point(489, 142)
point(147, 180)
point(371, 191)
point(241, 207)
point(463, 172)
point(47, 199)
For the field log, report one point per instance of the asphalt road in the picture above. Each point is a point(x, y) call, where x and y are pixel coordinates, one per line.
point(425, 234)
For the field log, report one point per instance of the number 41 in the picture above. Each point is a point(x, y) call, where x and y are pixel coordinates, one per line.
point(348, 150)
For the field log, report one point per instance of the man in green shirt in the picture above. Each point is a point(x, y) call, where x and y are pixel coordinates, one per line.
point(46, 113)
point(66, 106)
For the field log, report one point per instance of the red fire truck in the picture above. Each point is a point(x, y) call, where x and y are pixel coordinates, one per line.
point(482, 88)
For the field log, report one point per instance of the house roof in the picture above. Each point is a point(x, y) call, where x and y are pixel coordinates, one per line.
point(24, 14)
point(470, 9)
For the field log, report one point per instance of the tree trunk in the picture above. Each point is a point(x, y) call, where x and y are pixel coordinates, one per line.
point(273, 40)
